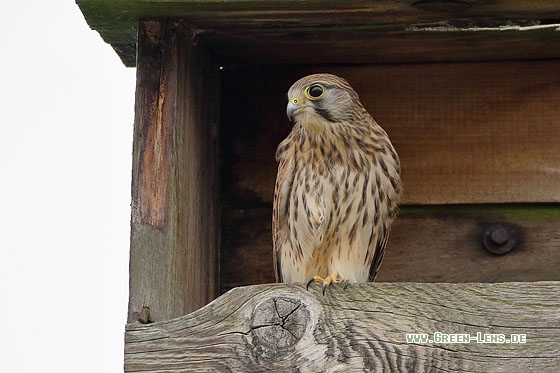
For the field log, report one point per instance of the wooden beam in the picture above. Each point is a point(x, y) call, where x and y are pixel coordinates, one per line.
point(353, 31)
point(175, 220)
point(427, 244)
point(362, 328)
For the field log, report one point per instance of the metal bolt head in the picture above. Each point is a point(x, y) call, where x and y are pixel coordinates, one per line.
point(499, 238)
point(500, 235)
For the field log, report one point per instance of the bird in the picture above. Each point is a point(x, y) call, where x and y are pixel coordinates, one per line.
point(337, 188)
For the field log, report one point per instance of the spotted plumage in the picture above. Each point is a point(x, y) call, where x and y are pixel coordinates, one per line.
point(337, 187)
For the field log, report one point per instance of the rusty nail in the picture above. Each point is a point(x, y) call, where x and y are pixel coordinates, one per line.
point(499, 238)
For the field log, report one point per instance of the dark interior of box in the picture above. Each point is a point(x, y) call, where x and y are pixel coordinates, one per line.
point(477, 142)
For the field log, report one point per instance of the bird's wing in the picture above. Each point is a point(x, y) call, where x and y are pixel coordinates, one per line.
point(282, 191)
point(379, 247)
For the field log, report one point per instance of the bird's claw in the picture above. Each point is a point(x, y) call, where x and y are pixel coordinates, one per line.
point(309, 282)
point(333, 277)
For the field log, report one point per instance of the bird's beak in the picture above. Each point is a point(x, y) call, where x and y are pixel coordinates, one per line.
point(292, 110)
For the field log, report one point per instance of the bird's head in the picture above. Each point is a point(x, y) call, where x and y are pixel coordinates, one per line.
point(316, 100)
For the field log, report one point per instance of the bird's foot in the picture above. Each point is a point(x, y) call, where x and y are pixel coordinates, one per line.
point(333, 277)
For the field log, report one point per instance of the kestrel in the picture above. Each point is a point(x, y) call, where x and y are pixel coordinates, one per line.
point(337, 187)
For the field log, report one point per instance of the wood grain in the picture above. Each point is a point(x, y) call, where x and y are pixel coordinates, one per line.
point(362, 328)
point(352, 31)
point(175, 219)
point(427, 244)
point(465, 132)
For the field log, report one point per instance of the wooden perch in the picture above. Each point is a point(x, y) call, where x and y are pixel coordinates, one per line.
point(362, 328)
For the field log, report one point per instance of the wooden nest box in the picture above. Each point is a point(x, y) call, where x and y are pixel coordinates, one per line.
point(469, 92)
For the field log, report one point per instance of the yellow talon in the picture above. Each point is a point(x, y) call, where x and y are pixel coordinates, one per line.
point(333, 277)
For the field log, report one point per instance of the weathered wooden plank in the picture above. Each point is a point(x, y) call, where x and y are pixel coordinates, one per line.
point(362, 328)
point(354, 31)
point(465, 132)
point(427, 244)
point(416, 43)
point(175, 220)
point(445, 245)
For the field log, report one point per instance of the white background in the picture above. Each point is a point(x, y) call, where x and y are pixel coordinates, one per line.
point(66, 119)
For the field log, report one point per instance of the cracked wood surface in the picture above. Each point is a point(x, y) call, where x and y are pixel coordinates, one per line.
point(362, 328)
point(175, 218)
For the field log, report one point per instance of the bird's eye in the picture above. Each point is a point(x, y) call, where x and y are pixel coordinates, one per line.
point(314, 92)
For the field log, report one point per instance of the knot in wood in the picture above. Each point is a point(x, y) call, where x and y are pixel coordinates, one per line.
point(278, 324)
